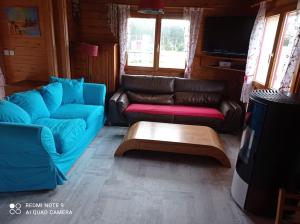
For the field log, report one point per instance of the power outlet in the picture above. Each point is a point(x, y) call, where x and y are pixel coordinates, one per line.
point(6, 52)
point(11, 53)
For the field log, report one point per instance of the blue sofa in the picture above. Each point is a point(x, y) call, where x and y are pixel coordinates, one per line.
point(38, 149)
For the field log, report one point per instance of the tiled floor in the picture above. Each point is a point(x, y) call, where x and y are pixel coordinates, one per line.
point(140, 188)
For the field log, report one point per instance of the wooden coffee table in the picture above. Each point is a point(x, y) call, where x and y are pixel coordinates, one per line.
point(176, 138)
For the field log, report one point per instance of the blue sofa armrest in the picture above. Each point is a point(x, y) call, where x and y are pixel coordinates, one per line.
point(94, 94)
point(27, 155)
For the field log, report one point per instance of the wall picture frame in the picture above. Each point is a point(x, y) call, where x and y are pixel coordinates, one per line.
point(23, 21)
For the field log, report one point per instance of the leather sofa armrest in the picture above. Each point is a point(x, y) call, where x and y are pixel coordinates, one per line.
point(115, 117)
point(122, 103)
point(115, 96)
point(232, 112)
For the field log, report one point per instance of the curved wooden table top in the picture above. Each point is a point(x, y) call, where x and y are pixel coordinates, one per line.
point(176, 138)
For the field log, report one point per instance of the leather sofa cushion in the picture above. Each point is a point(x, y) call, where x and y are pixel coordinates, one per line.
point(89, 113)
point(148, 84)
point(198, 99)
point(135, 117)
point(66, 132)
point(150, 98)
point(175, 110)
point(207, 86)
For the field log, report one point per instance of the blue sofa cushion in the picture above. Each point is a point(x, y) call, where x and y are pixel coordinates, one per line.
point(10, 112)
point(89, 113)
point(32, 102)
point(47, 140)
point(52, 95)
point(66, 132)
point(72, 90)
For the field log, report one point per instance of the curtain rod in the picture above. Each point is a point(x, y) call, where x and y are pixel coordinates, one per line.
point(258, 3)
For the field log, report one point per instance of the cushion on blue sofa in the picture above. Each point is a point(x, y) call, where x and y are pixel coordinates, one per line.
point(89, 113)
point(12, 113)
point(32, 102)
point(52, 95)
point(66, 132)
point(47, 140)
point(72, 89)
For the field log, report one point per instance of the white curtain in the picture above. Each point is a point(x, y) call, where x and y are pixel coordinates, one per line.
point(112, 14)
point(124, 14)
point(2, 84)
point(253, 52)
point(294, 57)
point(193, 15)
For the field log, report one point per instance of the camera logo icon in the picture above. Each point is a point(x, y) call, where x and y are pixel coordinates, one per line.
point(15, 209)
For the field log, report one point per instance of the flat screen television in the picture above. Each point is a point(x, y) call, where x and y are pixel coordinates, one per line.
point(227, 36)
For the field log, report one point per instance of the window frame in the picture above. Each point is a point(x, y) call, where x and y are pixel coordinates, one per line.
point(295, 85)
point(278, 54)
point(171, 13)
point(257, 84)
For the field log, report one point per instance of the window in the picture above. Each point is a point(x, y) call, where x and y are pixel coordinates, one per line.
point(271, 72)
point(141, 39)
point(266, 52)
point(285, 48)
point(157, 43)
point(173, 43)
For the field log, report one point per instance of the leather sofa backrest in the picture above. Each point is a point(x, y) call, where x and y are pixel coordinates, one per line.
point(135, 97)
point(199, 92)
point(148, 84)
point(198, 99)
point(206, 86)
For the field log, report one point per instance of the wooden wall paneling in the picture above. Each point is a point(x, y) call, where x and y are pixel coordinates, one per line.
point(94, 29)
point(105, 66)
point(202, 70)
point(79, 65)
point(73, 25)
point(99, 66)
point(94, 22)
point(62, 37)
point(1, 59)
point(34, 57)
point(282, 3)
point(280, 6)
point(77, 62)
point(234, 80)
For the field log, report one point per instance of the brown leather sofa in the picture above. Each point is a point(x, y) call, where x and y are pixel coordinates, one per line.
point(174, 100)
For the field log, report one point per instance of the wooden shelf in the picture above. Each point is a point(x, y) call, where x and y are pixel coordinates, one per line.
point(224, 68)
point(223, 58)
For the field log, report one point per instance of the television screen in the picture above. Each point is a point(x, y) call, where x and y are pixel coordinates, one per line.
point(228, 36)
